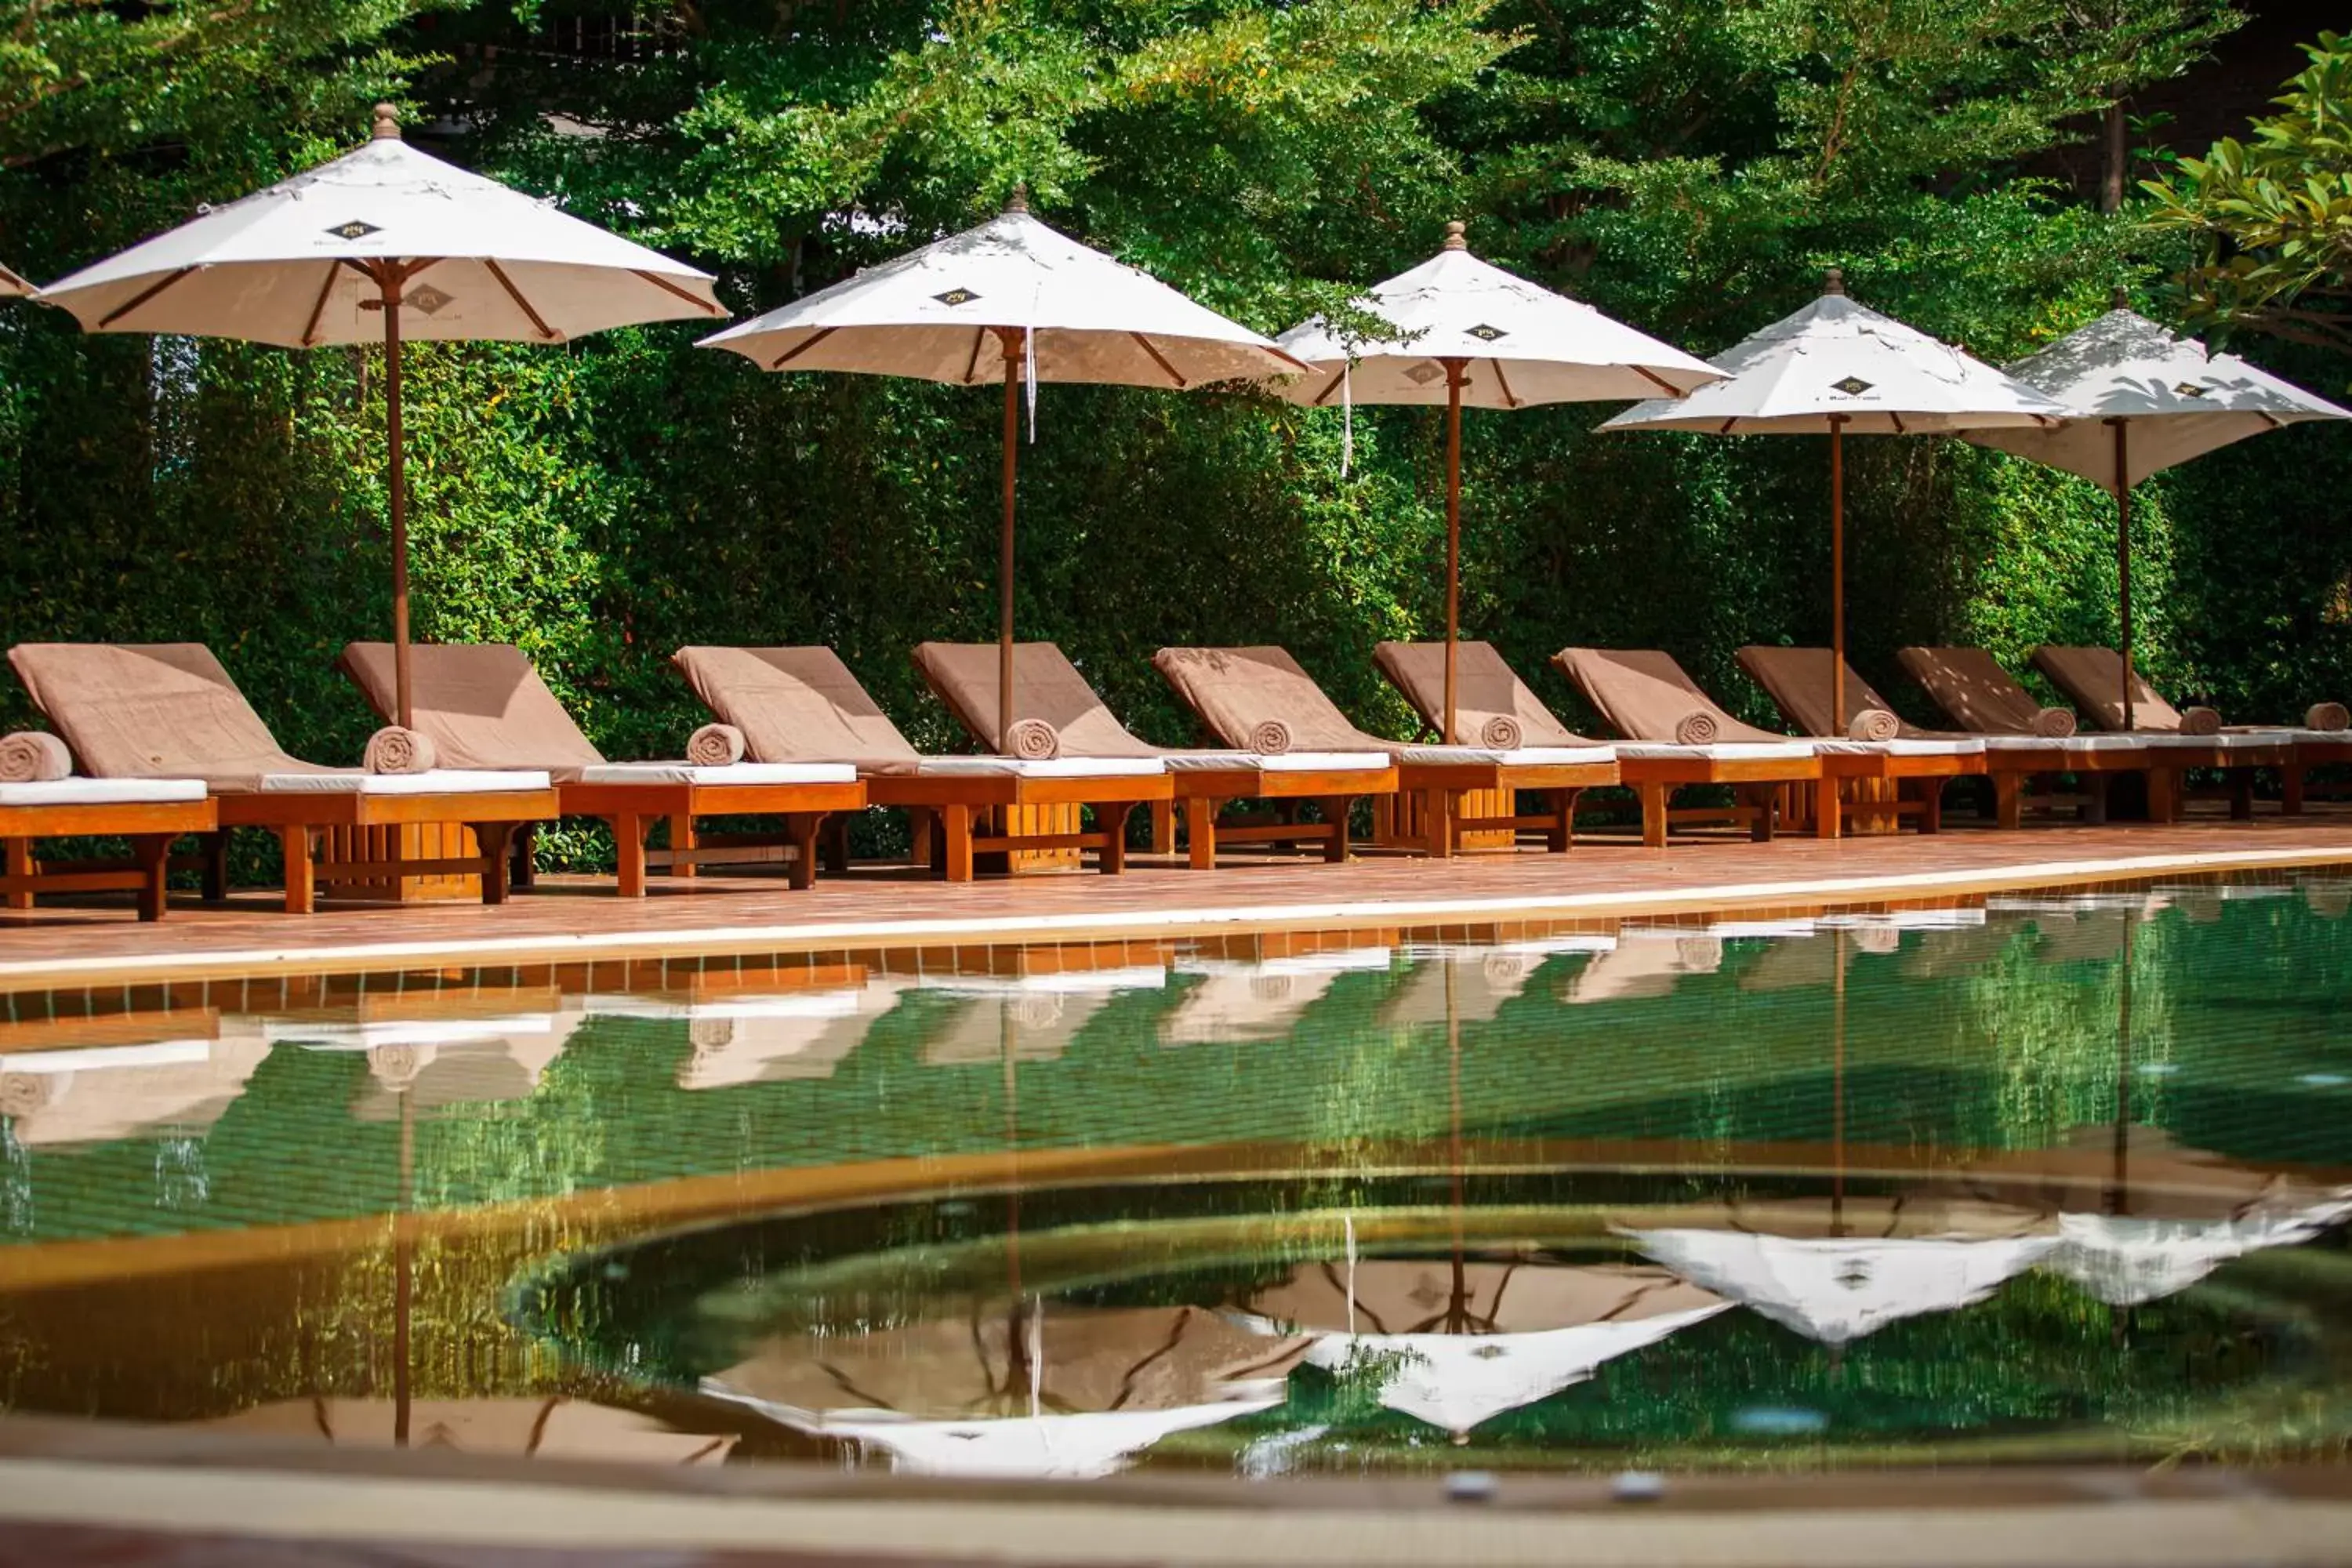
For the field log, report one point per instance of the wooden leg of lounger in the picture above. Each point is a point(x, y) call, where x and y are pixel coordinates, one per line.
point(1931, 805)
point(955, 846)
point(1437, 823)
point(2242, 792)
point(836, 840)
point(1113, 818)
point(2095, 789)
point(302, 875)
point(2163, 795)
point(801, 828)
point(1654, 814)
point(497, 841)
point(1826, 809)
point(629, 842)
point(1766, 799)
point(1199, 831)
point(212, 855)
point(1336, 812)
point(1164, 827)
point(1560, 831)
point(2291, 790)
point(152, 853)
point(2008, 800)
point(20, 864)
point(681, 836)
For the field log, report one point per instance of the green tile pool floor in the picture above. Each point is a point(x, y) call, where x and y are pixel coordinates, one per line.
point(1522, 1105)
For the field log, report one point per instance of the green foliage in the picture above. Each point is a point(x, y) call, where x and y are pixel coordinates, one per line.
point(2273, 216)
point(1685, 167)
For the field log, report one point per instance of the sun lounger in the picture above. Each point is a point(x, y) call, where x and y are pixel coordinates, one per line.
point(1675, 735)
point(2093, 677)
point(1047, 688)
point(1258, 699)
point(168, 710)
point(151, 813)
point(1487, 688)
point(1983, 699)
point(2029, 744)
point(483, 705)
point(802, 704)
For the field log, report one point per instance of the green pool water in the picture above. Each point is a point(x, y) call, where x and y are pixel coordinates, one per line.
point(2057, 1178)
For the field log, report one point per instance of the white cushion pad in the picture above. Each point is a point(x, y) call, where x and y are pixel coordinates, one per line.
point(1521, 757)
point(1722, 752)
point(102, 791)
point(1901, 747)
point(440, 780)
point(1285, 763)
point(733, 773)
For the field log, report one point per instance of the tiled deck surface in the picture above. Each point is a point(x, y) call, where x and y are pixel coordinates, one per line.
point(1602, 879)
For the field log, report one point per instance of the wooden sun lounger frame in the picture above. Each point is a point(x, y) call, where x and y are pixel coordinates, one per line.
point(631, 810)
point(299, 816)
point(150, 826)
point(1204, 793)
point(1927, 775)
point(951, 802)
point(1441, 785)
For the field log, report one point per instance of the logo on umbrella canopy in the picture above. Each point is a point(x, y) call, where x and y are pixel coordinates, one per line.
point(956, 297)
point(1486, 334)
point(355, 229)
point(427, 300)
point(2190, 389)
point(1424, 373)
point(1852, 385)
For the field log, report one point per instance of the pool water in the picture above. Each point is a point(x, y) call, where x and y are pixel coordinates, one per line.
point(2055, 1178)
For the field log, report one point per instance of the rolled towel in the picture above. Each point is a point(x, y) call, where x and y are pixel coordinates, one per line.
point(1695, 730)
point(1502, 732)
point(2327, 716)
point(1873, 724)
point(1033, 740)
point(2200, 721)
point(34, 756)
point(396, 1067)
point(1269, 738)
point(715, 746)
point(393, 750)
point(2057, 724)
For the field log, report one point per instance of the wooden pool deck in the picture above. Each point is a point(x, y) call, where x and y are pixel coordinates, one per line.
point(1499, 896)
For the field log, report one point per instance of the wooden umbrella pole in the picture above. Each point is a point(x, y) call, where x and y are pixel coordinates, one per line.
point(2123, 556)
point(1453, 381)
point(1010, 338)
point(389, 280)
point(1837, 570)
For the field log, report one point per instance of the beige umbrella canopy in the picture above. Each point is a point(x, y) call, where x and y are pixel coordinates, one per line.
point(11, 286)
point(2145, 399)
point(1010, 302)
point(384, 244)
point(1469, 333)
point(1837, 368)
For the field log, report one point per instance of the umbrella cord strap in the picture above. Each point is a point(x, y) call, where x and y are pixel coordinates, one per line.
point(1347, 415)
point(1029, 377)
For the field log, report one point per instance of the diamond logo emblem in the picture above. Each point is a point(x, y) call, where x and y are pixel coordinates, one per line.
point(1486, 334)
point(1854, 1275)
point(1852, 385)
point(1424, 373)
point(428, 300)
point(956, 297)
point(354, 229)
point(2190, 389)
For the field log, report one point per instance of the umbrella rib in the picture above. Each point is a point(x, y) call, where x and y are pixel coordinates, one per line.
point(802, 347)
point(1511, 399)
point(141, 297)
point(971, 365)
point(1160, 360)
point(515, 294)
point(1897, 420)
point(667, 287)
point(318, 308)
point(1325, 395)
point(1656, 380)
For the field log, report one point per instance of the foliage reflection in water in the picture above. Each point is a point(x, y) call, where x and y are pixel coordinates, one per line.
point(2057, 1177)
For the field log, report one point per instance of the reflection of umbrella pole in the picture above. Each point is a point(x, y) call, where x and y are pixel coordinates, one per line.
point(2123, 557)
point(1837, 574)
point(1013, 339)
point(404, 1268)
point(2119, 1195)
point(1454, 378)
point(1458, 1310)
point(1837, 1078)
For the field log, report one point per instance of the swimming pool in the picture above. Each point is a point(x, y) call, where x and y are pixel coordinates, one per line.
point(2053, 1177)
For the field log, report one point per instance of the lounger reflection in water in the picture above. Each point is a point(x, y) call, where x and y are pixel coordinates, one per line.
point(1458, 1345)
point(179, 1082)
point(1647, 961)
point(552, 1427)
point(1026, 1017)
point(1232, 1002)
point(426, 1063)
point(771, 1038)
point(1034, 1390)
point(1470, 984)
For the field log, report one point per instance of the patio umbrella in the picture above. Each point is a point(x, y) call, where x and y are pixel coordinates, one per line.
point(1468, 333)
point(384, 242)
point(2144, 399)
point(1050, 307)
point(1836, 367)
